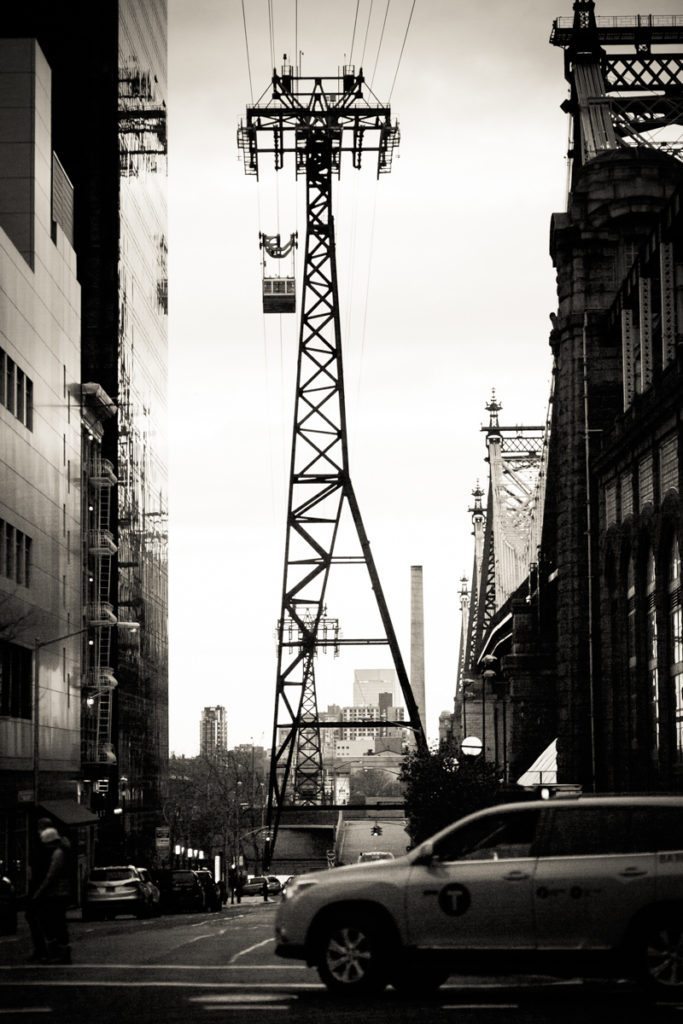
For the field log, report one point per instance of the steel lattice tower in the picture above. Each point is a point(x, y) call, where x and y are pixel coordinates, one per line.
point(317, 120)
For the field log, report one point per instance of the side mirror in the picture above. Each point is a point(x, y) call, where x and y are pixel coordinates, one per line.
point(426, 854)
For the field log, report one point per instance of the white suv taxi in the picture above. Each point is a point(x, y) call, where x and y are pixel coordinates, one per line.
point(591, 884)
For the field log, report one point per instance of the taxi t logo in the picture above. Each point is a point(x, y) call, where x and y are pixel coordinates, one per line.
point(454, 899)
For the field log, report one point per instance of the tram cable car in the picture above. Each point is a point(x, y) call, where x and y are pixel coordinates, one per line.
point(279, 291)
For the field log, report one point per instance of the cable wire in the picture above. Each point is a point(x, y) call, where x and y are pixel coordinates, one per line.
point(272, 33)
point(367, 29)
point(381, 37)
point(353, 37)
point(246, 43)
point(410, 18)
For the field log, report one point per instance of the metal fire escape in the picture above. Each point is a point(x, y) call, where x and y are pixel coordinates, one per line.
point(621, 99)
point(317, 120)
point(99, 680)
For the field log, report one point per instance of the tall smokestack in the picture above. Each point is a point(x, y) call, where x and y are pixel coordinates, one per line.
point(417, 641)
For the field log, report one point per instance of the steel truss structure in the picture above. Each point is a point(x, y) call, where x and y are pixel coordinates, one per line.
point(317, 120)
point(621, 99)
point(507, 533)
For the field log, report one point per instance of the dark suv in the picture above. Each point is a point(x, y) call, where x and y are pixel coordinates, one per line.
point(558, 886)
point(180, 890)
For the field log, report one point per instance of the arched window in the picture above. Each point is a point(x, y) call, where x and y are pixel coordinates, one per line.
point(652, 671)
point(631, 721)
point(676, 645)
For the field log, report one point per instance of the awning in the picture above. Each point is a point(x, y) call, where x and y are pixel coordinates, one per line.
point(69, 812)
point(543, 770)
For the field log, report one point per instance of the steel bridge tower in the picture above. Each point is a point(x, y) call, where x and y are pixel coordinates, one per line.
point(316, 120)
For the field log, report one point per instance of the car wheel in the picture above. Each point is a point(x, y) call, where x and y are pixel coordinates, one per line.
point(352, 957)
point(661, 953)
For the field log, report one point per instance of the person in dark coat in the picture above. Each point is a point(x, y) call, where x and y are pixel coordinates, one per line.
point(49, 898)
point(233, 884)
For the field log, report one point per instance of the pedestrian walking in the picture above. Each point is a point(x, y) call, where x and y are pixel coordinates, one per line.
point(264, 890)
point(233, 884)
point(49, 897)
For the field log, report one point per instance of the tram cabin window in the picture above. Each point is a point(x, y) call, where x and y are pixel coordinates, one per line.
point(279, 295)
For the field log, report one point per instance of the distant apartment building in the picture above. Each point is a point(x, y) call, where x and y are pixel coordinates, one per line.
point(369, 683)
point(379, 713)
point(213, 731)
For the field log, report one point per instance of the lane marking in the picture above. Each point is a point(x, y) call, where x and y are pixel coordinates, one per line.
point(157, 967)
point(480, 1006)
point(58, 983)
point(27, 1009)
point(250, 949)
point(241, 997)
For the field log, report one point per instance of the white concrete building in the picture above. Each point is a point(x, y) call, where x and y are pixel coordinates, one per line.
point(40, 450)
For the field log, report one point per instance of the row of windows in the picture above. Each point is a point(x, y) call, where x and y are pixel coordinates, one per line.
point(16, 390)
point(15, 554)
point(15, 680)
point(621, 495)
point(664, 666)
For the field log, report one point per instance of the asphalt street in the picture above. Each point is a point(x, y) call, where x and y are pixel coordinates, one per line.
point(194, 967)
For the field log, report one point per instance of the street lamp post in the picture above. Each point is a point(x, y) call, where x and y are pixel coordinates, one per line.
point(38, 645)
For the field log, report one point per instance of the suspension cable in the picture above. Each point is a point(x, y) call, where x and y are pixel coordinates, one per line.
point(272, 33)
point(353, 37)
point(246, 43)
point(367, 29)
point(410, 18)
point(381, 37)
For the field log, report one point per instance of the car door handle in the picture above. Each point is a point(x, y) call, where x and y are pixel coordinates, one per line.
point(632, 872)
point(516, 876)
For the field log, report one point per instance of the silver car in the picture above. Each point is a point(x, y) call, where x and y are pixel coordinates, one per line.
point(119, 889)
point(565, 886)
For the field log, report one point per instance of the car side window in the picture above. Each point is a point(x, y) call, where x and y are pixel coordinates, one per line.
point(577, 831)
point(501, 836)
point(657, 829)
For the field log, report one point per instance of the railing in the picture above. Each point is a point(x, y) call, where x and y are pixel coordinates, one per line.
point(628, 21)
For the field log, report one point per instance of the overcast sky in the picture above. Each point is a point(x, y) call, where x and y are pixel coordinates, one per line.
point(445, 290)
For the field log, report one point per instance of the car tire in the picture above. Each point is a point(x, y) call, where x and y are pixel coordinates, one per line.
point(352, 957)
point(659, 956)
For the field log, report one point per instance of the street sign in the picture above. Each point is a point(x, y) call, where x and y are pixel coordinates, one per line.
point(163, 838)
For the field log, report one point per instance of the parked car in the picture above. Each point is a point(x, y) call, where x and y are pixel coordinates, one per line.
point(119, 889)
point(8, 905)
point(254, 885)
point(153, 889)
point(565, 886)
point(211, 890)
point(180, 890)
point(367, 858)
